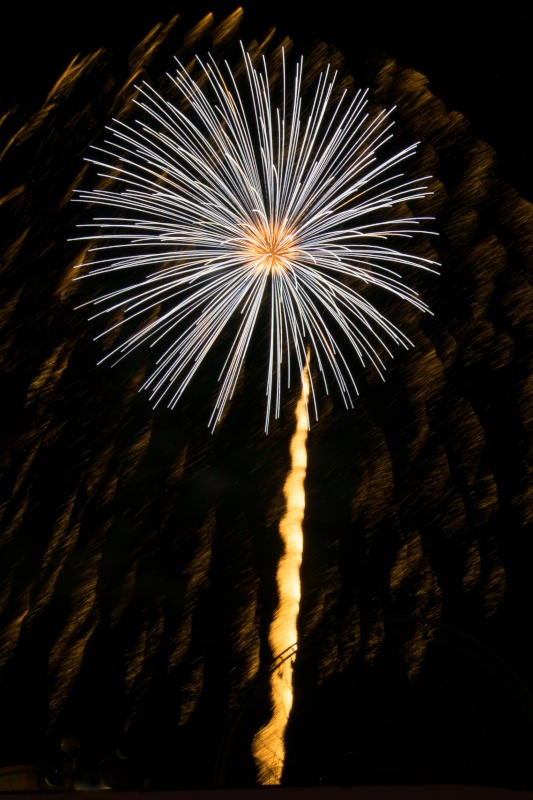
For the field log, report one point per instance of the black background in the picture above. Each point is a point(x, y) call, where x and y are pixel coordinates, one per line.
point(478, 62)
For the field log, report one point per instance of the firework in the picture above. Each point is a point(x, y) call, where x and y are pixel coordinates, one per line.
point(230, 207)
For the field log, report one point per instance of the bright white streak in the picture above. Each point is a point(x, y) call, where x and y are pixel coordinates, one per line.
point(235, 199)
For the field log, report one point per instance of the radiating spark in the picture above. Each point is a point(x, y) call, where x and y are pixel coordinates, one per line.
point(268, 746)
point(235, 203)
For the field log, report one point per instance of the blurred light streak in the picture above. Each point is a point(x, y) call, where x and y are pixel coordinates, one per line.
point(268, 745)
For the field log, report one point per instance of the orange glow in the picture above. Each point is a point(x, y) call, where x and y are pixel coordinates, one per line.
point(268, 746)
point(270, 247)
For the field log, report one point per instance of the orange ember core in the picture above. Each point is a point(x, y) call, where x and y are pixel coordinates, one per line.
point(270, 247)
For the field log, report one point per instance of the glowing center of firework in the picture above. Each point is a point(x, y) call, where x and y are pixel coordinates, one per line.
point(271, 248)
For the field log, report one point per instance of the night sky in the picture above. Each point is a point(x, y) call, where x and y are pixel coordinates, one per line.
point(138, 550)
point(478, 63)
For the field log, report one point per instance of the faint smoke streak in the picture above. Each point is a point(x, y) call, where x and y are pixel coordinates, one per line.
point(268, 746)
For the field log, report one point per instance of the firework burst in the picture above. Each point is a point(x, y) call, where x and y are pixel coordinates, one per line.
point(230, 203)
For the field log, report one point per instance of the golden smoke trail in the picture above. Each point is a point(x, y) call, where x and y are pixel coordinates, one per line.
point(268, 746)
